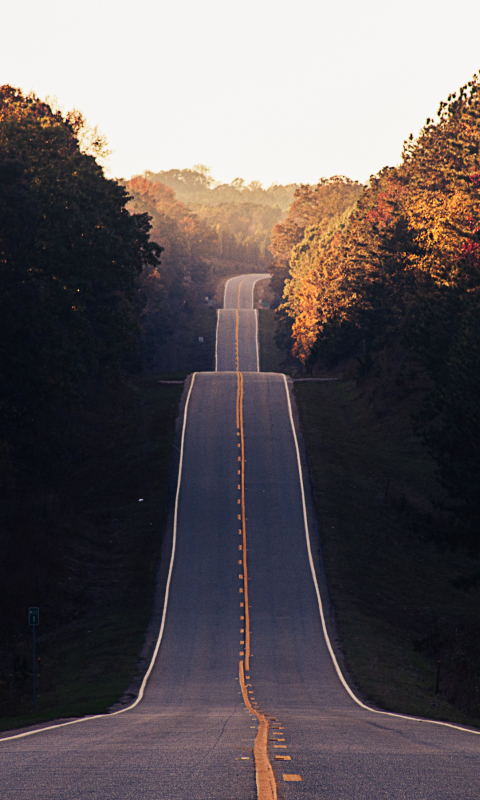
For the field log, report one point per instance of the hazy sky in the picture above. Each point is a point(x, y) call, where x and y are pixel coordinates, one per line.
point(275, 91)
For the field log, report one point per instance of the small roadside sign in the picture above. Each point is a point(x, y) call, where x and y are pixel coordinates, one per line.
point(33, 615)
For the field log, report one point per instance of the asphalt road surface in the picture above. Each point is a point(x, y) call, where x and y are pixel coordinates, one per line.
point(191, 736)
point(237, 326)
point(239, 290)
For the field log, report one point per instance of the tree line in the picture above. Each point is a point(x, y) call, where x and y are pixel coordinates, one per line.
point(95, 273)
point(241, 215)
point(197, 187)
point(201, 241)
point(400, 267)
point(70, 257)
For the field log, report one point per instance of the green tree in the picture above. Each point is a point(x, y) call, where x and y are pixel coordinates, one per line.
point(70, 256)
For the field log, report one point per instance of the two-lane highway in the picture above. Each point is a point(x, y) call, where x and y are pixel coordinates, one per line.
point(340, 750)
point(239, 291)
point(243, 699)
point(190, 736)
point(237, 326)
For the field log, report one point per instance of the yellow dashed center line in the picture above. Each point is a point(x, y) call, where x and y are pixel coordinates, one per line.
point(242, 515)
point(265, 778)
point(266, 784)
point(237, 323)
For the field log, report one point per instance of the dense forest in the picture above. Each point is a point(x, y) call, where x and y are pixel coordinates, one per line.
point(208, 230)
point(70, 257)
point(197, 187)
point(201, 242)
point(241, 215)
point(171, 292)
point(105, 283)
point(315, 207)
point(72, 414)
point(393, 280)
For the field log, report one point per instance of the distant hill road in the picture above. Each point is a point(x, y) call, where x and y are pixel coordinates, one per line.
point(237, 326)
point(244, 698)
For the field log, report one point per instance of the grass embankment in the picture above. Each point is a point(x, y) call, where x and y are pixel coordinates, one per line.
point(82, 536)
point(271, 357)
point(201, 355)
point(397, 611)
point(85, 549)
point(182, 350)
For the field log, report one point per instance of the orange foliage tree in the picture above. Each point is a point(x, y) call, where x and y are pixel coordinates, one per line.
point(317, 205)
point(404, 266)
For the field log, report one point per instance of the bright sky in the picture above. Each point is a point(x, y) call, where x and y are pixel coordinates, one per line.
point(266, 90)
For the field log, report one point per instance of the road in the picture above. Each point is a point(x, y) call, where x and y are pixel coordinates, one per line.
point(237, 326)
point(242, 601)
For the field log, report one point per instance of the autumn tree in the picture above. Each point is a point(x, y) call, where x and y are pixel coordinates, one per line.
point(317, 205)
point(403, 267)
point(189, 243)
point(242, 214)
point(244, 231)
point(196, 186)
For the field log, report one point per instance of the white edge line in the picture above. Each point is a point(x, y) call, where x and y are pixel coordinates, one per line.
point(162, 626)
point(225, 290)
point(320, 605)
point(256, 338)
point(216, 340)
point(262, 277)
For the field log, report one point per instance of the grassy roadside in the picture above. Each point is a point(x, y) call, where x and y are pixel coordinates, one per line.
point(271, 357)
point(201, 357)
point(84, 543)
point(397, 611)
point(93, 535)
point(183, 349)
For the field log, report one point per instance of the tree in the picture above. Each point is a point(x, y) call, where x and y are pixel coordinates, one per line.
point(403, 266)
point(70, 256)
point(188, 242)
point(450, 426)
point(196, 186)
point(315, 205)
